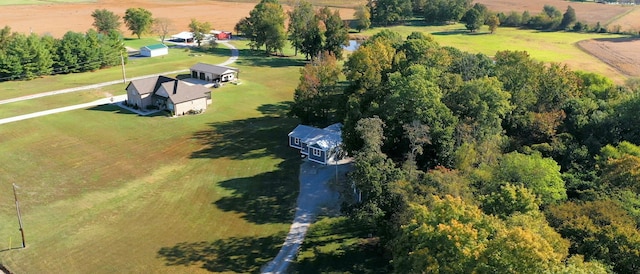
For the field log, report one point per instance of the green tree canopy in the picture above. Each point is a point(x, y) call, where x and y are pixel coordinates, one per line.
point(568, 18)
point(105, 21)
point(363, 18)
point(314, 97)
point(541, 175)
point(303, 26)
point(265, 26)
point(336, 34)
point(199, 30)
point(138, 20)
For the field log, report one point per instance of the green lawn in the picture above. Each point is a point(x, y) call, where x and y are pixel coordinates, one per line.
point(543, 46)
point(338, 245)
point(41, 2)
point(103, 190)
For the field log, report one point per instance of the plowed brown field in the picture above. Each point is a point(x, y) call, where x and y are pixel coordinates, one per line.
point(589, 12)
point(621, 54)
point(57, 19)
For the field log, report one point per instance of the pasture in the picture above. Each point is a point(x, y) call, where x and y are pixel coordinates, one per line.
point(103, 190)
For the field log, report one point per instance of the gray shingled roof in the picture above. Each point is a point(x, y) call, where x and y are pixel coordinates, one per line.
point(215, 69)
point(149, 85)
point(180, 92)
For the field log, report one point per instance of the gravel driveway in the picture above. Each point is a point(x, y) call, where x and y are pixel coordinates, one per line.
point(315, 197)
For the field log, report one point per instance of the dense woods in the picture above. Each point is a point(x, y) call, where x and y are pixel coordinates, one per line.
point(467, 163)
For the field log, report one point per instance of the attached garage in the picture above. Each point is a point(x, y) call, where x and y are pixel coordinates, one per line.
point(154, 50)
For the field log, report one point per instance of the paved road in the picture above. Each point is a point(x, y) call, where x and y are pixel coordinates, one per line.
point(314, 197)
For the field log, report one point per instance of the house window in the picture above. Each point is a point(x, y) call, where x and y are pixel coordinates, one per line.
point(296, 141)
point(316, 152)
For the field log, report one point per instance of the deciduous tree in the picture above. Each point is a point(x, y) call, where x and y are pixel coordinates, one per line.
point(138, 20)
point(265, 26)
point(363, 18)
point(105, 21)
point(314, 96)
point(336, 34)
point(199, 30)
point(303, 29)
point(162, 26)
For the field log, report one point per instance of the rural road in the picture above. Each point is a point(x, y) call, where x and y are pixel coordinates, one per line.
point(315, 197)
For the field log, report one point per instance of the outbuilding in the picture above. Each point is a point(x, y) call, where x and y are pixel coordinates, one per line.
point(185, 36)
point(214, 73)
point(154, 50)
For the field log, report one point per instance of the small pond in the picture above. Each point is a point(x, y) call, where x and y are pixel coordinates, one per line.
point(353, 45)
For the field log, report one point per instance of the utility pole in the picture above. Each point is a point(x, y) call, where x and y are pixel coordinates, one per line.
point(19, 218)
point(124, 76)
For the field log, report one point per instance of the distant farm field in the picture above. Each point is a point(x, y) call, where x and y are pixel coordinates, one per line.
point(621, 53)
point(589, 12)
point(42, 2)
point(543, 46)
point(59, 18)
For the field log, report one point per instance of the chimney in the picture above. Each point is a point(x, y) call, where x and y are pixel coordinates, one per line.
point(175, 86)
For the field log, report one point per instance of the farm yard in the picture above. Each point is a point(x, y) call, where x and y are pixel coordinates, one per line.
point(103, 190)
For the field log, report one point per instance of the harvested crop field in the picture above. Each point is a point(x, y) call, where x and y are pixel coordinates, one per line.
point(589, 12)
point(620, 53)
point(57, 19)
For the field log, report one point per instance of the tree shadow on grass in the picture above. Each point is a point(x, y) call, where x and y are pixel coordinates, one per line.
point(451, 32)
point(258, 58)
point(237, 254)
point(342, 247)
point(265, 198)
point(280, 109)
point(247, 139)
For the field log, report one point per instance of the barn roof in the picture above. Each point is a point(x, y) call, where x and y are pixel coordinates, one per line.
point(154, 47)
point(183, 35)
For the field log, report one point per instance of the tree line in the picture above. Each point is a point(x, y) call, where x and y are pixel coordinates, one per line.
point(310, 31)
point(24, 57)
point(393, 12)
point(467, 163)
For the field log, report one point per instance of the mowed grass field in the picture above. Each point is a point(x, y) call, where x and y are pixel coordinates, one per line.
point(103, 190)
point(543, 46)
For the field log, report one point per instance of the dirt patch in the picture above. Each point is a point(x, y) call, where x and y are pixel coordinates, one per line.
point(57, 19)
point(589, 12)
point(622, 53)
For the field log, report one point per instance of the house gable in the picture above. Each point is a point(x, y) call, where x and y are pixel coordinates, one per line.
point(169, 93)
